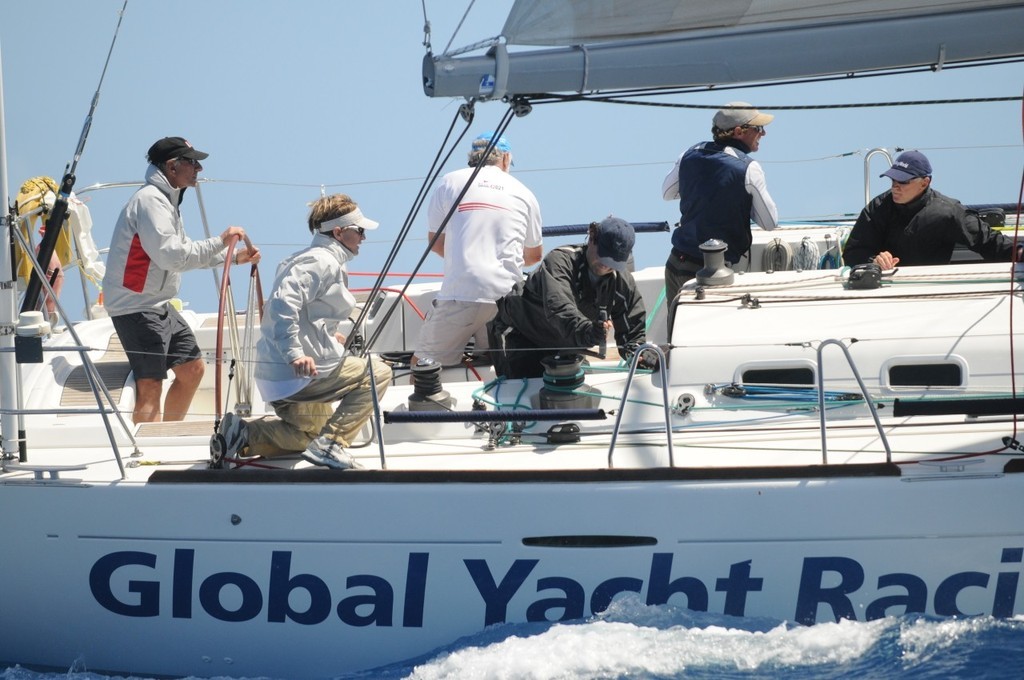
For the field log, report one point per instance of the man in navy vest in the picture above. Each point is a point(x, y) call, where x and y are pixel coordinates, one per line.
point(720, 190)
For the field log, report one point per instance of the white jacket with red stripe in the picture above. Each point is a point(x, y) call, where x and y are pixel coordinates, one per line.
point(149, 249)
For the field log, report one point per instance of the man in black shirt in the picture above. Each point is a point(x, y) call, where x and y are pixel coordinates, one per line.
point(570, 302)
point(912, 224)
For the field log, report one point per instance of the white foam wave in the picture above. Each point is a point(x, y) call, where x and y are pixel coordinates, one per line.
point(601, 648)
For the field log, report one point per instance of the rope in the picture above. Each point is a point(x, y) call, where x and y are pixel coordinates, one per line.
point(777, 256)
point(807, 255)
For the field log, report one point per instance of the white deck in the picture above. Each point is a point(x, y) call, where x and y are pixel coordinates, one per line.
point(952, 318)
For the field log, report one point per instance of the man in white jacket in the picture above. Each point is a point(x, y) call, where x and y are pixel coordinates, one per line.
point(303, 367)
point(148, 252)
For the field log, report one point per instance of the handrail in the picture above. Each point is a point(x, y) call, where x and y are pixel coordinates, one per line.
point(635, 360)
point(91, 373)
point(864, 391)
point(867, 169)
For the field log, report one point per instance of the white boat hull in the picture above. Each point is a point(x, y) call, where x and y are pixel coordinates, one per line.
point(217, 577)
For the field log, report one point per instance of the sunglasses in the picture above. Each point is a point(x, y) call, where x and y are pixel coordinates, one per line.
point(758, 128)
point(358, 230)
point(191, 161)
point(906, 182)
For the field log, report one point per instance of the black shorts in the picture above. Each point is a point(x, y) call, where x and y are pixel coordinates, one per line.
point(156, 341)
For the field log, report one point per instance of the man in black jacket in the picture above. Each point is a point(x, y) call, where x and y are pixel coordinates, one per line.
point(570, 302)
point(912, 224)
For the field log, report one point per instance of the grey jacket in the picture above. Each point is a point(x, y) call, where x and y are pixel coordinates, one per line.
point(149, 249)
point(309, 302)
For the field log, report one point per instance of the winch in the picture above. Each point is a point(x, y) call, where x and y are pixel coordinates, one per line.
point(564, 385)
point(428, 393)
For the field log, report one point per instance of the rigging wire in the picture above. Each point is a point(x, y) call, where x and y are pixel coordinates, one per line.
point(613, 99)
point(917, 102)
point(562, 168)
point(428, 181)
point(621, 96)
point(1013, 280)
point(426, 26)
point(58, 213)
point(499, 131)
point(461, 21)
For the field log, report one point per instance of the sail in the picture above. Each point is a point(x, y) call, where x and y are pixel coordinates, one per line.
point(608, 45)
point(574, 22)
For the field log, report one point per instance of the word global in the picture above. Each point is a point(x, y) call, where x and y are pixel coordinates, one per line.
point(372, 602)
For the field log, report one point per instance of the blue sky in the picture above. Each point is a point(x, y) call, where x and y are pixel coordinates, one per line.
point(289, 96)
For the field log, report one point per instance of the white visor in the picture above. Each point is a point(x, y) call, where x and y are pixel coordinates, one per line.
point(352, 219)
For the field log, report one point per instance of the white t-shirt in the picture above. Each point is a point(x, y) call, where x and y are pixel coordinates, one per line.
point(484, 241)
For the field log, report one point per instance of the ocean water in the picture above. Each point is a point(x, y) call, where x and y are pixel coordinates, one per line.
point(632, 640)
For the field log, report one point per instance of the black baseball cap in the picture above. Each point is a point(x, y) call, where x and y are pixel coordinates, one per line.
point(173, 147)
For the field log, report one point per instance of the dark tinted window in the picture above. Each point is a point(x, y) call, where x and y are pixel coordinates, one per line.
point(926, 375)
point(779, 376)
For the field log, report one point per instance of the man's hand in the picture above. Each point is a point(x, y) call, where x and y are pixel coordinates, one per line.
point(648, 361)
point(251, 256)
point(304, 367)
point(232, 232)
point(599, 331)
point(886, 260)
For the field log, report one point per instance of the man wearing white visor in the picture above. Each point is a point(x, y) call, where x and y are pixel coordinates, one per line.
point(303, 367)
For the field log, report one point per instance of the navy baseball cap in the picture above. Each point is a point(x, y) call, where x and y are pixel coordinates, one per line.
point(907, 166)
point(615, 238)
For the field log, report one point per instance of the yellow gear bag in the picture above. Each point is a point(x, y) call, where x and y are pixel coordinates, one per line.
point(27, 206)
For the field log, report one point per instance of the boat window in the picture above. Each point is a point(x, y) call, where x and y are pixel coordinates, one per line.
point(925, 371)
point(926, 375)
point(778, 375)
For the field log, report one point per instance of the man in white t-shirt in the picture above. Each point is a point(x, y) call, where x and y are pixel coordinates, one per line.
point(490, 235)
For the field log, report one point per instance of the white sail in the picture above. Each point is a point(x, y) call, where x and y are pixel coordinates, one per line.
point(615, 44)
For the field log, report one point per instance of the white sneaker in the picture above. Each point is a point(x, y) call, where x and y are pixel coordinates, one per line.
point(233, 429)
point(329, 453)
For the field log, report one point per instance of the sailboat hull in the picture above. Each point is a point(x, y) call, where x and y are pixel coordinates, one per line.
point(350, 571)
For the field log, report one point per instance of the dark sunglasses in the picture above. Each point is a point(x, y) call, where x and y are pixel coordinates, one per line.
point(758, 128)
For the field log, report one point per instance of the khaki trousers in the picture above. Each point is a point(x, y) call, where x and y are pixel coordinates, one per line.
point(309, 413)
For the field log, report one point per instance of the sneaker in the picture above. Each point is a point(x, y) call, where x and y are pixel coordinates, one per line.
point(329, 453)
point(233, 430)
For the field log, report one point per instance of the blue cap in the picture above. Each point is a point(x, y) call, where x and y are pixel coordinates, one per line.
point(483, 140)
point(615, 238)
point(909, 165)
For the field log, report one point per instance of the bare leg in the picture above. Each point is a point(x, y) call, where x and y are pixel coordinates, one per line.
point(147, 400)
point(57, 284)
point(186, 381)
